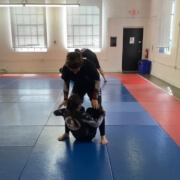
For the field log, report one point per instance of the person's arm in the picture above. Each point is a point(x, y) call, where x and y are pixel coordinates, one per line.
point(96, 89)
point(66, 89)
point(66, 92)
point(66, 78)
point(92, 121)
point(102, 74)
point(59, 112)
point(96, 77)
point(94, 101)
point(93, 74)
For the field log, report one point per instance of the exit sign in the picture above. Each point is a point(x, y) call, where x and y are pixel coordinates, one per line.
point(134, 12)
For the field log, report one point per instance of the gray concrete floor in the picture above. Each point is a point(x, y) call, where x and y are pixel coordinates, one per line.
point(163, 85)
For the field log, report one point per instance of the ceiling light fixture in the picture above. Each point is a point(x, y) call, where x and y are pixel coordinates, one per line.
point(50, 5)
point(26, 4)
point(11, 5)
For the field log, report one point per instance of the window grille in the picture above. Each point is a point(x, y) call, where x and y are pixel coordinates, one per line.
point(28, 26)
point(84, 25)
point(165, 26)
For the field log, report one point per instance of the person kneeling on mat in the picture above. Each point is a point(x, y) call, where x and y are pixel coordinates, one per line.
point(82, 124)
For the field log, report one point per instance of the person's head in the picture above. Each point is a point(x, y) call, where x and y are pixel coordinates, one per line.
point(77, 50)
point(74, 103)
point(74, 61)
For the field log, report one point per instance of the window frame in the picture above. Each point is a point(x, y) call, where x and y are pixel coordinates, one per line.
point(167, 50)
point(86, 33)
point(19, 29)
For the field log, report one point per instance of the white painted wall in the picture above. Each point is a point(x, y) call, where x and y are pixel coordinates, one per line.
point(166, 67)
point(115, 27)
point(116, 16)
point(16, 62)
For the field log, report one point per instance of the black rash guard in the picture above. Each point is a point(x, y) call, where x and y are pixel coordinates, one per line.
point(87, 80)
point(83, 125)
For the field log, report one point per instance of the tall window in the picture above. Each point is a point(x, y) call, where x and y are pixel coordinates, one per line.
point(28, 26)
point(165, 28)
point(84, 25)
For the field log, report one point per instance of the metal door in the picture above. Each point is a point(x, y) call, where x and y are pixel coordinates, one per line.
point(132, 48)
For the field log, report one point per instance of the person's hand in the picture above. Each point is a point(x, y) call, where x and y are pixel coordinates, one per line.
point(64, 103)
point(95, 104)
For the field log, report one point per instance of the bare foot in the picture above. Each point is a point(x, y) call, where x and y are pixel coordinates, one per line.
point(104, 140)
point(62, 137)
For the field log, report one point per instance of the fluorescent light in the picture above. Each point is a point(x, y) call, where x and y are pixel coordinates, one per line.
point(11, 5)
point(51, 5)
point(39, 5)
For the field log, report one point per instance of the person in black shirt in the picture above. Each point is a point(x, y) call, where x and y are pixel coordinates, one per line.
point(85, 79)
point(82, 124)
point(90, 55)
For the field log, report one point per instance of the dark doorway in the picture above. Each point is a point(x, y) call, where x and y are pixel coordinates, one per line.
point(132, 48)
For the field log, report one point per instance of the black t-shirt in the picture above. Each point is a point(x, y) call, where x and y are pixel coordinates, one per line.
point(87, 73)
point(84, 80)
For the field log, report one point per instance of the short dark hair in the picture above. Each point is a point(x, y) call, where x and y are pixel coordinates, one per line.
point(77, 50)
point(73, 102)
point(74, 60)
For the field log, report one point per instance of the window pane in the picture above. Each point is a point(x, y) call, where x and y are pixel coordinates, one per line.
point(20, 31)
point(75, 20)
point(25, 10)
point(27, 40)
point(19, 19)
point(69, 31)
point(76, 31)
point(82, 10)
point(69, 20)
point(41, 40)
point(16, 41)
point(40, 19)
point(83, 31)
point(95, 19)
point(164, 21)
point(28, 29)
point(40, 30)
point(84, 25)
point(165, 27)
point(96, 30)
point(76, 41)
point(82, 20)
point(26, 19)
point(89, 19)
point(34, 41)
point(89, 40)
point(21, 40)
point(89, 30)
point(74, 10)
point(18, 10)
point(33, 30)
point(33, 19)
point(95, 10)
point(89, 10)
